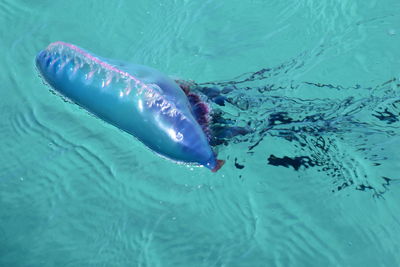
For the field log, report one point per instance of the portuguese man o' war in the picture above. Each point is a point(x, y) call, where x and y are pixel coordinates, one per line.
point(333, 134)
point(135, 98)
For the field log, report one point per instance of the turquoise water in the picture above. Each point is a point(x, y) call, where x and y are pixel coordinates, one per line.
point(316, 183)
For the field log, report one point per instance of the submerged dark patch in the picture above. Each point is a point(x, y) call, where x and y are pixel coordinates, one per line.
point(287, 162)
point(386, 116)
point(237, 165)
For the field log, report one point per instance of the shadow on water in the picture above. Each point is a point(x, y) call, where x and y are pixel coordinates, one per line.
point(346, 133)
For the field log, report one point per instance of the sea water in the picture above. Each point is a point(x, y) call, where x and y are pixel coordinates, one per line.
point(315, 182)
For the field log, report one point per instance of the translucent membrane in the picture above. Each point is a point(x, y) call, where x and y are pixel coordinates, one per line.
point(62, 54)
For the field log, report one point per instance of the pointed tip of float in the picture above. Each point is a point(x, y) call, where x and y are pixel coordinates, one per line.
point(220, 163)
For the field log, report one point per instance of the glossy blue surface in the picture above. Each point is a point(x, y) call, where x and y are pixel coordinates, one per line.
point(137, 99)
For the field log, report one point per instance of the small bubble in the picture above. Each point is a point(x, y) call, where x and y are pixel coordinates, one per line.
point(392, 32)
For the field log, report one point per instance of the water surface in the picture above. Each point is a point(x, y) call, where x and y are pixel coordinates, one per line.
point(315, 184)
